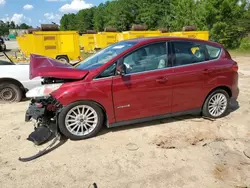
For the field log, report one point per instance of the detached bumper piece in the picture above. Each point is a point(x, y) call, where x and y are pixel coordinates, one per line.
point(46, 150)
point(44, 112)
point(40, 135)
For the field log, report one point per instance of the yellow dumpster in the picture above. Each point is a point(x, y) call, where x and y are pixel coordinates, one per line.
point(104, 39)
point(21, 42)
point(87, 42)
point(28, 48)
point(61, 45)
point(174, 34)
point(137, 34)
point(203, 35)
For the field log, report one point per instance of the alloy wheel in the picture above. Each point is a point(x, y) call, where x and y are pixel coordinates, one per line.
point(81, 120)
point(217, 104)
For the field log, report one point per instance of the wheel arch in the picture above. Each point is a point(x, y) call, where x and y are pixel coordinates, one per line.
point(100, 105)
point(225, 88)
point(13, 81)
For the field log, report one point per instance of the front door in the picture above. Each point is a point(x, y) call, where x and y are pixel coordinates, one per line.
point(145, 90)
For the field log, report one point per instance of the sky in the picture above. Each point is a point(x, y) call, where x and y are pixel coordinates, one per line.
point(36, 12)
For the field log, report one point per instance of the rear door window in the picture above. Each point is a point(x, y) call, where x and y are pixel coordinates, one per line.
point(187, 53)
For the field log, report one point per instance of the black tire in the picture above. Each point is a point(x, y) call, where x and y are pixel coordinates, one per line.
point(205, 109)
point(10, 92)
point(67, 133)
point(63, 59)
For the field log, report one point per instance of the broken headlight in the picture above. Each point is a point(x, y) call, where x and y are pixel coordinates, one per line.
point(42, 91)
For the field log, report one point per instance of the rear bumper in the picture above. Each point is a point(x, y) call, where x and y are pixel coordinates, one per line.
point(235, 93)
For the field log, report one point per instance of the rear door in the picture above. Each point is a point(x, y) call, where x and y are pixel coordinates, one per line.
point(189, 77)
point(146, 89)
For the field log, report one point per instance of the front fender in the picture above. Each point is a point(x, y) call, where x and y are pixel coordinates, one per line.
point(97, 91)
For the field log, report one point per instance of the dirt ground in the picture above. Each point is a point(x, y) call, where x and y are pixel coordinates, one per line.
point(177, 152)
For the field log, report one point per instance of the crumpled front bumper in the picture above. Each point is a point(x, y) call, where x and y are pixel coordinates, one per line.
point(44, 113)
point(34, 112)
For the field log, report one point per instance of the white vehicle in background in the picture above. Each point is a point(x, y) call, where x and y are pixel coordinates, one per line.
point(14, 79)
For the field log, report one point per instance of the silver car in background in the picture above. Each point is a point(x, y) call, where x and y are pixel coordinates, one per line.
point(14, 79)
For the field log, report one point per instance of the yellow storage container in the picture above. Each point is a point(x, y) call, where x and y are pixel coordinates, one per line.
point(28, 48)
point(21, 42)
point(62, 45)
point(87, 42)
point(203, 35)
point(104, 39)
point(175, 34)
point(137, 34)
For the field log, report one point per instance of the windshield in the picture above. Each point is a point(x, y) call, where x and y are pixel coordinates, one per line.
point(105, 55)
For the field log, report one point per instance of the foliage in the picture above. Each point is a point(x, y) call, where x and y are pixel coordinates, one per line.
point(4, 27)
point(227, 20)
point(245, 44)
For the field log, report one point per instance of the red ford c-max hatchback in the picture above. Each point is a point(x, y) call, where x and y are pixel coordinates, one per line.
point(130, 82)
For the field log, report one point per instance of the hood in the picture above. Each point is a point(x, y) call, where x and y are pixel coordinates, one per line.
point(41, 66)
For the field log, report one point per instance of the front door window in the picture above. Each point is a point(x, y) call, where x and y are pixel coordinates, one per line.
point(151, 57)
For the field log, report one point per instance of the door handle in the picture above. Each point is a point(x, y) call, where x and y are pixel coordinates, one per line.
point(162, 80)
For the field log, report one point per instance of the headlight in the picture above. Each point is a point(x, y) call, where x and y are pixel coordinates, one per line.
point(42, 91)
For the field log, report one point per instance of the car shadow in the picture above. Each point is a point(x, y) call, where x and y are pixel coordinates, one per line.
point(233, 107)
point(106, 130)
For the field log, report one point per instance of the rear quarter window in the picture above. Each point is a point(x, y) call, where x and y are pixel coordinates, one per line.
point(214, 52)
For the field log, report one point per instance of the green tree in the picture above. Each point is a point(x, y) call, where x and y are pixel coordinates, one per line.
point(68, 22)
point(228, 21)
point(12, 25)
point(84, 19)
point(98, 20)
point(24, 26)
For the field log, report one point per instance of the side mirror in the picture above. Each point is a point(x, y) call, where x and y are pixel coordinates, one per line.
point(120, 68)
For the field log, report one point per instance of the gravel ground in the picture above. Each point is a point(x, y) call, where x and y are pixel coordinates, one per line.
point(177, 152)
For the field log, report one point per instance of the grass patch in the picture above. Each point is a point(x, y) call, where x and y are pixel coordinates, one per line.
point(239, 52)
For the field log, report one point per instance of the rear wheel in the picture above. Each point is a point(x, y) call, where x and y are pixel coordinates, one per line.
point(10, 92)
point(81, 120)
point(216, 104)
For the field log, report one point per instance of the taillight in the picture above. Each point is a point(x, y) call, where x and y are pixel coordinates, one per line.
point(235, 67)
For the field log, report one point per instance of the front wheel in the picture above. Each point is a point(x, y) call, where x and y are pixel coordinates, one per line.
point(216, 104)
point(80, 120)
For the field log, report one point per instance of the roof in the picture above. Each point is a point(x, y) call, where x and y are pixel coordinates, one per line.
point(157, 39)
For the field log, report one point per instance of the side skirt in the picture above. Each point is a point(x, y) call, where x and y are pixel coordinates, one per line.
point(142, 120)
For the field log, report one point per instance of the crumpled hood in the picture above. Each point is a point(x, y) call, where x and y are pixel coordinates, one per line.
point(41, 66)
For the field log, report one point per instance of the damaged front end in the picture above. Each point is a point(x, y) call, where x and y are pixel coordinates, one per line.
point(44, 108)
point(43, 111)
